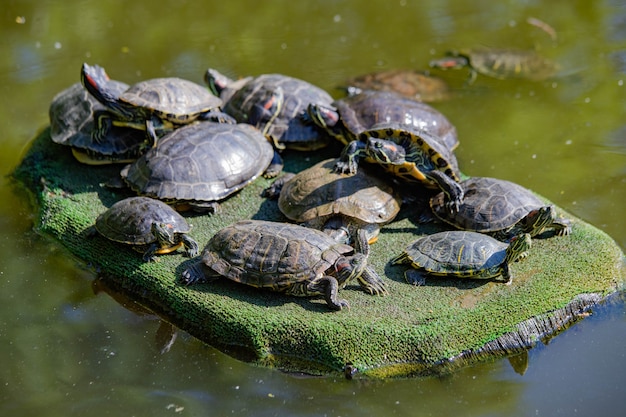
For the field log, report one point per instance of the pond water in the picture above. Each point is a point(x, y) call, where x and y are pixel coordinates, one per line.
point(68, 351)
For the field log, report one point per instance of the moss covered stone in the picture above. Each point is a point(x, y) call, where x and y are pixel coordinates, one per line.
point(413, 331)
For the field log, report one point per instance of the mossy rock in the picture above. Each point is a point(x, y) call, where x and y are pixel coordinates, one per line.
point(425, 330)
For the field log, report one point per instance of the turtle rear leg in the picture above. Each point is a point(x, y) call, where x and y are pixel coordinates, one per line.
point(415, 277)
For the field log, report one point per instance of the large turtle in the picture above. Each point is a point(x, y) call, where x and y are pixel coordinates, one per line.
point(413, 84)
point(71, 124)
point(500, 208)
point(461, 254)
point(499, 63)
point(197, 165)
point(158, 104)
point(149, 225)
point(350, 116)
point(336, 203)
point(286, 258)
point(274, 103)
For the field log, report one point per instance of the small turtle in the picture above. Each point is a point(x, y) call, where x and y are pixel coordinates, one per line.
point(149, 225)
point(413, 157)
point(412, 84)
point(71, 124)
point(499, 63)
point(350, 116)
point(197, 165)
point(337, 204)
point(500, 208)
point(286, 258)
point(274, 103)
point(461, 254)
point(158, 104)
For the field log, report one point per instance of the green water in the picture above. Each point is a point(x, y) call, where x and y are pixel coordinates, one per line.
point(69, 352)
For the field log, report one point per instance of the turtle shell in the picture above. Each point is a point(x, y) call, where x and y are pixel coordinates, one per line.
point(370, 109)
point(200, 163)
point(500, 63)
point(510, 63)
point(287, 126)
point(174, 99)
point(317, 193)
point(71, 124)
point(490, 205)
point(271, 255)
point(411, 84)
point(460, 254)
point(130, 220)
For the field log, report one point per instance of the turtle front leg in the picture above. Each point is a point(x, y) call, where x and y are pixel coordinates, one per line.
point(273, 191)
point(372, 282)
point(275, 167)
point(329, 286)
point(348, 162)
point(452, 189)
point(198, 273)
point(217, 116)
point(507, 278)
point(191, 246)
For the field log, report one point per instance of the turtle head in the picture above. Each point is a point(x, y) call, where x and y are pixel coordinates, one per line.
point(538, 219)
point(97, 82)
point(518, 247)
point(164, 233)
point(348, 268)
point(322, 116)
point(216, 81)
point(452, 60)
point(385, 151)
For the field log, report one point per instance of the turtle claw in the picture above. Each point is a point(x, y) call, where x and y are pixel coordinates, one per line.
point(345, 167)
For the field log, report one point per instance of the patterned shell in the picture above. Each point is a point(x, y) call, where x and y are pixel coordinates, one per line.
point(201, 162)
point(318, 192)
point(130, 220)
point(271, 255)
point(489, 205)
point(456, 253)
point(371, 108)
point(288, 127)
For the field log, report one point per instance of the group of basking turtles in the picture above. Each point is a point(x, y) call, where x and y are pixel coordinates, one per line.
point(188, 146)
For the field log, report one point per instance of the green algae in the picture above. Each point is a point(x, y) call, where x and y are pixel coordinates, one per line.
point(413, 331)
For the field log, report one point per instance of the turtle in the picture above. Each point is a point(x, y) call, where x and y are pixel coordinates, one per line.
point(285, 257)
point(462, 254)
point(500, 208)
point(158, 104)
point(336, 203)
point(197, 165)
point(408, 155)
point(500, 63)
point(349, 116)
point(413, 84)
point(149, 225)
point(274, 103)
point(71, 124)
